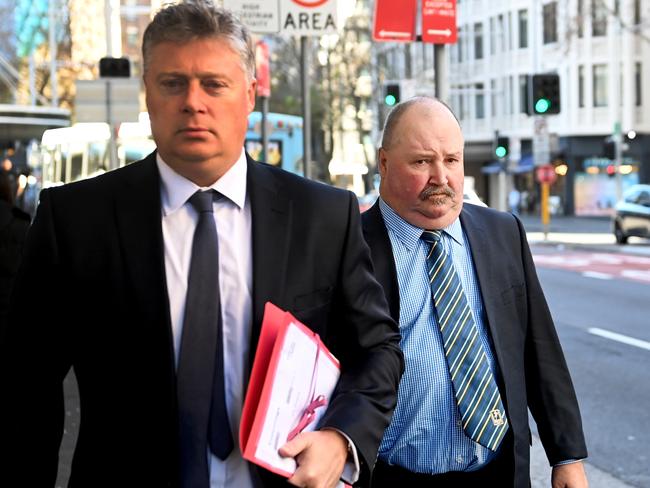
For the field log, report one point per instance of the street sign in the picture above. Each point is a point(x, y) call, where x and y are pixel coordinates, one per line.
point(546, 174)
point(541, 142)
point(262, 69)
point(260, 16)
point(439, 21)
point(394, 21)
point(308, 17)
point(112, 100)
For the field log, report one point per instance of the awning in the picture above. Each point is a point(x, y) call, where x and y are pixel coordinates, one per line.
point(526, 164)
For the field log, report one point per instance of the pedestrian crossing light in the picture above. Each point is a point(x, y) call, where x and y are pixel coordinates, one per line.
point(544, 94)
point(391, 94)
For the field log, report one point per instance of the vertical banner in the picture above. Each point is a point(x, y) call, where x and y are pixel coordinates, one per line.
point(394, 20)
point(439, 21)
point(262, 69)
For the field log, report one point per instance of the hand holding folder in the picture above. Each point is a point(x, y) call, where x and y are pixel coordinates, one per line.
point(292, 381)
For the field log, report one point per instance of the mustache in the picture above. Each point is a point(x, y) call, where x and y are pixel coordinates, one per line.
point(437, 191)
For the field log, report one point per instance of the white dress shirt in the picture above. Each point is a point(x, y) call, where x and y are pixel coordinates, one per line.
point(233, 218)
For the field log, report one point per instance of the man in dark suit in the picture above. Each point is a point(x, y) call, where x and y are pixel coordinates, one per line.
point(108, 287)
point(474, 323)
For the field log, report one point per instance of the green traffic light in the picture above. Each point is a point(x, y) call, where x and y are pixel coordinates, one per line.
point(542, 105)
point(390, 100)
point(500, 152)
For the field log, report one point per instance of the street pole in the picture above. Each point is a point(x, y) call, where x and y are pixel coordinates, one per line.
point(440, 72)
point(306, 106)
point(112, 144)
point(265, 132)
point(618, 132)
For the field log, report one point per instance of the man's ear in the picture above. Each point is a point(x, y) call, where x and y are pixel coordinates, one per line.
point(381, 157)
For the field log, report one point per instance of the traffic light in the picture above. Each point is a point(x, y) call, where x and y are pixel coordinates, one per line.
point(609, 148)
point(544, 94)
point(114, 68)
point(391, 94)
point(501, 147)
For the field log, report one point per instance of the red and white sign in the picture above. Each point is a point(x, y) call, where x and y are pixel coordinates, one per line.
point(308, 17)
point(262, 69)
point(260, 16)
point(395, 20)
point(546, 174)
point(439, 21)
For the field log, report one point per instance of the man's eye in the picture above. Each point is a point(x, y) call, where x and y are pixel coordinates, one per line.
point(213, 85)
point(172, 84)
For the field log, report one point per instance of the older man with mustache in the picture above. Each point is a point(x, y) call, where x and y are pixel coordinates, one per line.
point(479, 343)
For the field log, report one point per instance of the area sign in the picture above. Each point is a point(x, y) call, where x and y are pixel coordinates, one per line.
point(308, 17)
point(439, 21)
point(260, 16)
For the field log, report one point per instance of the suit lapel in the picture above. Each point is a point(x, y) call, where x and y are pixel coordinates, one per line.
point(486, 259)
point(271, 229)
point(376, 234)
point(139, 224)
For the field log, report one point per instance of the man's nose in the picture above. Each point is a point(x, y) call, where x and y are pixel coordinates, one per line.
point(193, 102)
point(437, 174)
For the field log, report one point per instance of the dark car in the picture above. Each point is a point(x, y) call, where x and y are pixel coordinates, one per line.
point(632, 216)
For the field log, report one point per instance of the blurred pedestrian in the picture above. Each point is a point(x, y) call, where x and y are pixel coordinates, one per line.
point(14, 224)
point(479, 343)
point(514, 200)
point(151, 283)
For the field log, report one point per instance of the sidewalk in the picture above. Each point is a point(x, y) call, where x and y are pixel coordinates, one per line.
point(591, 233)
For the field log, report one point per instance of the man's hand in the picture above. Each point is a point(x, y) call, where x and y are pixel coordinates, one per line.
point(570, 475)
point(320, 456)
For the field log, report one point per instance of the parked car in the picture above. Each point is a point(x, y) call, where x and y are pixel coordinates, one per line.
point(632, 217)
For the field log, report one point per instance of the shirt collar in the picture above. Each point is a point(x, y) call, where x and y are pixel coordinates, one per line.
point(410, 235)
point(176, 189)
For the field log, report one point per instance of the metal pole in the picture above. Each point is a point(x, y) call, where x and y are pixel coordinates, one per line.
point(53, 53)
point(306, 106)
point(112, 146)
point(265, 133)
point(440, 73)
point(618, 132)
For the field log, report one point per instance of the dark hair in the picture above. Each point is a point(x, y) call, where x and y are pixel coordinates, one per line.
point(398, 110)
point(198, 19)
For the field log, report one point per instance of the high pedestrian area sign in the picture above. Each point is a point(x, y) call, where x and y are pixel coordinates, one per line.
point(293, 17)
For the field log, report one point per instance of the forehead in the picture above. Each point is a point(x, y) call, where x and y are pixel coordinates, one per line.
point(426, 125)
point(214, 51)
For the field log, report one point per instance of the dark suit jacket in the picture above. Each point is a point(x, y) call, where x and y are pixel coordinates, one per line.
point(93, 282)
point(527, 349)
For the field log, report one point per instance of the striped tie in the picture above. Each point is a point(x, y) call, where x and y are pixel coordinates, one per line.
point(477, 395)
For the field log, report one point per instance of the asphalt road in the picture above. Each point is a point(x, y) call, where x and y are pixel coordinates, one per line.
point(612, 378)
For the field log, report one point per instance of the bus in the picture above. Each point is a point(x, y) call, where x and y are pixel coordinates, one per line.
point(285, 140)
point(82, 150)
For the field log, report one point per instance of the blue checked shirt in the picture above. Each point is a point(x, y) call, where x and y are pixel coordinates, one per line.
point(426, 434)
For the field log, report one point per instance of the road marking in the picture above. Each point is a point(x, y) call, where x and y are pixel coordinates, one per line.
point(636, 273)
point(597, 275)
point(620, 338)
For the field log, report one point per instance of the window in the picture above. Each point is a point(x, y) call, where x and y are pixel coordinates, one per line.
point(501, 33)
point(523, 28)
point(480, 101)
point(637, 12)
point(460, 44)
point(523, 93)
point(581, 86)
point(598, 18)
point(580, 18)
point(637, 84)
point(509, 31)
point(493, 36)
point(478, 40)
point(550, 22)
point(600, 85)
point(493, 97)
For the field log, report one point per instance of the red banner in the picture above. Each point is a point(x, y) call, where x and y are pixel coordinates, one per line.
point(395, 20)
point(439, 21)
point(262, 69)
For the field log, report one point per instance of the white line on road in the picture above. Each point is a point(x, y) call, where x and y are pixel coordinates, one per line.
point(597, 275)
point(620, 338)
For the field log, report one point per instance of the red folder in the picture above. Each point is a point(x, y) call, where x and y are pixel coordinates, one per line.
point(292, 381)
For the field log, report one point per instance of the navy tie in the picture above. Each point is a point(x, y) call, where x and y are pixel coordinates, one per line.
point(477, 394)
point(200, 376)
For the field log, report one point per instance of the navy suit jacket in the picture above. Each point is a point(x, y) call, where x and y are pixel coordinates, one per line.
point(527, 348)
point(92, 295)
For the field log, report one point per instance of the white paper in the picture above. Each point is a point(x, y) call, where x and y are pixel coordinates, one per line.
point(292, 392)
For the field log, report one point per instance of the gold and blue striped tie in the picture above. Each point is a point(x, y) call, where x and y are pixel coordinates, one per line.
point(477, 394)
